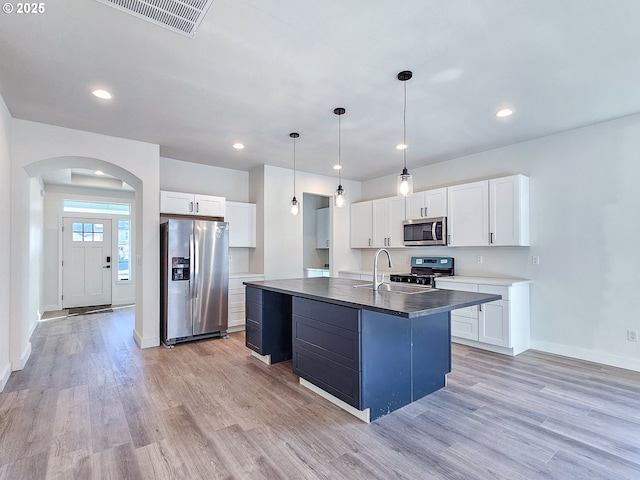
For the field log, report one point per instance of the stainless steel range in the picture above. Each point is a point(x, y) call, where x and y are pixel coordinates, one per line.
point(424, 270)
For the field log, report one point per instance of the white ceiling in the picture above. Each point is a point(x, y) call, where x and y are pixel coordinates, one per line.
point(257, 70)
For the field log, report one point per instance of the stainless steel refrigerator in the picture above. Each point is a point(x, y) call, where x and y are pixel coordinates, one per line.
point(194, 284)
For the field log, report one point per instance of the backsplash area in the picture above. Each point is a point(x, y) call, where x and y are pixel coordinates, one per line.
point(496, 261)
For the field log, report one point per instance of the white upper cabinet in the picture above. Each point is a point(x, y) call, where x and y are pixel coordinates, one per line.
point(322, 228)
point(209, 206)
point(432, 203)
point(489, 212)
point(509, 211)
point(468, 214)
point(242, 224)
point(361, 223)
point(388, 215)
point(181, 203)
point(378, 223)
point(176, 202)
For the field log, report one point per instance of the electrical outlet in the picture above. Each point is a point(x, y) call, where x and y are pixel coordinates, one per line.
point(479, 258)
point(632, 335)
point(535, 260)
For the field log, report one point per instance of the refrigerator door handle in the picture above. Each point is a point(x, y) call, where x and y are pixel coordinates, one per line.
point(195, 266)
point(191, 265)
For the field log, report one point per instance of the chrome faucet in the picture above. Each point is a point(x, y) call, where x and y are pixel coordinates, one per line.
point(376, 283)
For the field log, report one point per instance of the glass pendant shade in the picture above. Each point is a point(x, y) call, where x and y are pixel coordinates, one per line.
point(295, 206)
point(405, 183)
point(339, 197)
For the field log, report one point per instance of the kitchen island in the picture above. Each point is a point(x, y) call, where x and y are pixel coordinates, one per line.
point(370, 352)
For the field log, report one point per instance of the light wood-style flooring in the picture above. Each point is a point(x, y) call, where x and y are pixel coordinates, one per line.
point(90, 404)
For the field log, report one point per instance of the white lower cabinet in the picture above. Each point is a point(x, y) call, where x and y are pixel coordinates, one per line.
point(502, 326)
point(237, 301)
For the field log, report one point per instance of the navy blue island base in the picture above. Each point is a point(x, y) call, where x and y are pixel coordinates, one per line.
point(374, 351)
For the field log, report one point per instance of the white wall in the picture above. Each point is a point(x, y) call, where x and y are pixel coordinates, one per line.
point(179, 176)
point(584, 201)
point(122, 292)
point(36, 253)
point(5, 242)
point(282, 248)
point(37, 148)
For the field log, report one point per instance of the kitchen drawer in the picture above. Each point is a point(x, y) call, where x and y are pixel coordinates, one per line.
point(236, 283)
point(254, 315)
point(254, 295)
point(472, 311)
point(253, 337)
point(343, 317)
point(334, 343)
point(340, 381)
point(464, 327)
point(495, 289)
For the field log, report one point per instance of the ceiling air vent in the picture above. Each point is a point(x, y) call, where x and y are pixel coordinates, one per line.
point(182, 16)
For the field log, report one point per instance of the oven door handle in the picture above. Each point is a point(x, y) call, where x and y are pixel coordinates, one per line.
point(433, 230)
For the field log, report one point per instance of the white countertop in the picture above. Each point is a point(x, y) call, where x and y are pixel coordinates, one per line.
point(245, 275)
point(505, 282)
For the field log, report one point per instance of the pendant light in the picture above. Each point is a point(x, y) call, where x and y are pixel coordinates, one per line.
point(405, 180)
point(295, 205)
point(339, 197)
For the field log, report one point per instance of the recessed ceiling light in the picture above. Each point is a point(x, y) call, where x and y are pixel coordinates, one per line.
point(238, 146)
point(99, 172)
point(103, 94)
point(401, 146)
point(337, 167)
point(505, 112)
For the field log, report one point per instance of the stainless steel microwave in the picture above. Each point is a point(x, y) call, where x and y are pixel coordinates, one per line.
point(425, 231)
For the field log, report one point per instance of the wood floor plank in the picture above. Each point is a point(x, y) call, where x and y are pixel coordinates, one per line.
point(90, 404)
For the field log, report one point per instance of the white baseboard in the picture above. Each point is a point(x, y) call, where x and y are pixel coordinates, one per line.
point(145, 342)
point(364, 415)
point(263, 358)
point(22, 361)
point(588, 355)
point(235, 328)
point(4, 376)
point(32, 328)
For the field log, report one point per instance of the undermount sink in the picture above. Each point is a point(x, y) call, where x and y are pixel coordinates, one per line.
point(406, 289)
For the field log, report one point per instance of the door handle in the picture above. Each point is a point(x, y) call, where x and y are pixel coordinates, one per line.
point(491, 237)
point(421, 209)
point(197, 207)
point(191, 206)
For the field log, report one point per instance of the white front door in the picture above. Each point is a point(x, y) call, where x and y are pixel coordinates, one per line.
point(86, 262)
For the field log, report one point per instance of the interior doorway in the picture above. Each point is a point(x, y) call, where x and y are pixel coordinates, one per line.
point(316, 243)
point(86, 262)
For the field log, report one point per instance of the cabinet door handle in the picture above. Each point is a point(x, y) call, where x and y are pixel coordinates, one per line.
point(191, 206)
point(426, 210)
point(327, 243)
point(197, 207)
point(491, 237)
point(449, 238)
point(369, 242)
point(480, 307)
point(421, 209)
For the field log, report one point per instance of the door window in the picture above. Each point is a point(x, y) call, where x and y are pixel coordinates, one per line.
point(87, 232)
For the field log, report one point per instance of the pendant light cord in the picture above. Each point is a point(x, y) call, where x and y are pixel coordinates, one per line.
point(404, 126)
point(339, 143)
point(294, 166)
